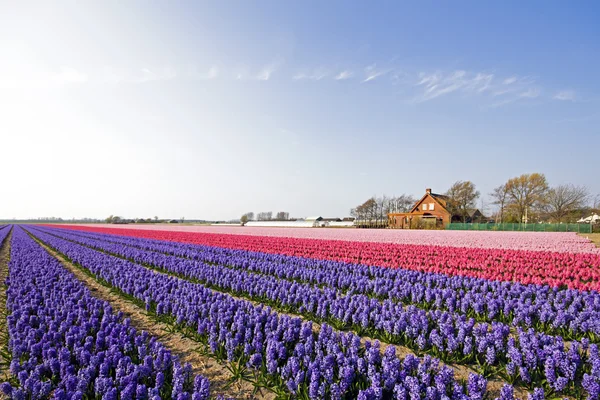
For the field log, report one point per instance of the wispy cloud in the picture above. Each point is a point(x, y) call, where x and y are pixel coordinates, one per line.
point(346, 74)
point(503, 91)
point(315, 75)
point(511, 97)
point(265, 73)
point(565, 95)
point(415, 86)
point(268, 70)
point(372, 73)
point(438, 84)
point(114, 75)
point(213, 72)
point(530, 93)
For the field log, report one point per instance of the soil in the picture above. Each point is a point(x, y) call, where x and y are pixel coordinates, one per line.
point(4, 258)
point(593, 237)
point(184, 348)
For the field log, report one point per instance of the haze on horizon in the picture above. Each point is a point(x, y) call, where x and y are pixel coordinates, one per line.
point(210, 110)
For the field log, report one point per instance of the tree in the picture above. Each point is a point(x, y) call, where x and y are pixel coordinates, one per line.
point(244, 219)
point(526, 193)
point(500, 197)
point(402, 203)
point(376, 209)
point(462, 196)
point(113, 219)
point(366, 211)
point(282, 216)
point(564, 199)
point(250, 216)
point(265, 216)
point(155, 219)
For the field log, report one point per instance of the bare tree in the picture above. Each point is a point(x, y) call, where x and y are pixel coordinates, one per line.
point(380, 212)
point(367, 211)
point(564, 199)
point(526, 193)
point(264, 216)
point(402, 203)
point(282, 216)
point(376, 209)
point(462, 197)
point(500, 197)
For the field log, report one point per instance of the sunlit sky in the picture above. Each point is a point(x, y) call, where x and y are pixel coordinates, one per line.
point(212, 109)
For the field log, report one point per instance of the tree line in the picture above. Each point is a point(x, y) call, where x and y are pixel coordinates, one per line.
point(525, 198)
point(529, 198)
point(376, 209)
point(265, 216)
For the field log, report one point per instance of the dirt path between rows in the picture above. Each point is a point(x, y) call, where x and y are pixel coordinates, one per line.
point(4, 259)
point(184, 348)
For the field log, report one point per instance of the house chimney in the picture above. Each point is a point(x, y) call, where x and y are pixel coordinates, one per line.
point(428, 191)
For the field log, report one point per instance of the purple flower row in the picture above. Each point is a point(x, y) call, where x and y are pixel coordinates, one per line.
point(66, 344)
point(4, 231)
point(527, 356)
point(570, 313)
point(329, 364)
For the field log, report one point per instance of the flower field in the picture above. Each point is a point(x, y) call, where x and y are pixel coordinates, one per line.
point(343, 314)
point(536, 241)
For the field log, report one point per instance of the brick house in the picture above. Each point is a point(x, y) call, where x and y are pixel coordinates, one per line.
point(429, 212)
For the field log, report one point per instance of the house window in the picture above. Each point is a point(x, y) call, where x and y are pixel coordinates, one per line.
point(431, 206)
point(424, 207)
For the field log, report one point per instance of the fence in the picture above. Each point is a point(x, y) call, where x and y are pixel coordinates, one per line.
point(581, 228)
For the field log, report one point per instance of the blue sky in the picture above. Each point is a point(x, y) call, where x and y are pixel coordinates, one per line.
point(212, 109)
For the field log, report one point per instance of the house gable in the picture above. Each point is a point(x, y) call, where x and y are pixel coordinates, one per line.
point(428, 199)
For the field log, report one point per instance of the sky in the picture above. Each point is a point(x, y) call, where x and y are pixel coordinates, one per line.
point(208, 110)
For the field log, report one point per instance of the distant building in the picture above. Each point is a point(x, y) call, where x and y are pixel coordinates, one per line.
point(282, 224)
point(431, 211)
point(310, 222)
point(473, 215)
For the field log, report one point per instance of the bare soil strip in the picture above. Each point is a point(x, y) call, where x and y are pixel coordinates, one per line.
point(592, 237)
point(460, 371)
point(4, 258)
point(184, 348)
